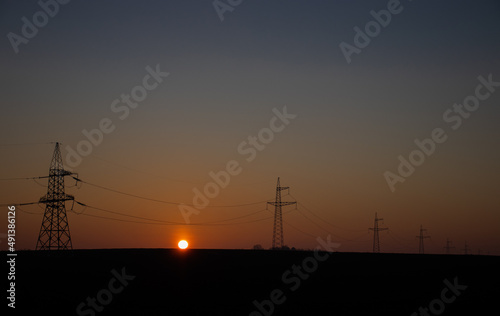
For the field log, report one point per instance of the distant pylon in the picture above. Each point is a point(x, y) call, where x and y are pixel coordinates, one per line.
point(278, 240)
point(376, 229)
point(421, 238)
point(448, 246)
point(54, 232)
point(466, 249)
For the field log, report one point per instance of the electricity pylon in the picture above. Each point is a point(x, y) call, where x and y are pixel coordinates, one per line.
point(278, 240)
point(54, 232)
point(421, 238)
point(376, 229)
point(448, 246)
point(466, 249)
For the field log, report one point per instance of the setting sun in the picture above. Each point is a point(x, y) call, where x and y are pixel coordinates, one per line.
point(183, 244)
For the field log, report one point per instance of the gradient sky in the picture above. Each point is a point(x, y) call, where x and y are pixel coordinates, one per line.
point(353, 120)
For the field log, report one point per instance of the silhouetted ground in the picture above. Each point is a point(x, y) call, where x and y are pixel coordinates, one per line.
point(227, 282)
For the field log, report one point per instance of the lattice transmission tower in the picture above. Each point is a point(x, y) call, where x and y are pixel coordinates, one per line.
point(448, 246)
point(278, 240)
point(421, 238)
point(466, 249)
point(54, 232)
point(376, 229)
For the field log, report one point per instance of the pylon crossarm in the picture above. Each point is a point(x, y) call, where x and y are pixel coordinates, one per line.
point(59, 172)
point(47, 200)
point(54, 231)
point(281, 203)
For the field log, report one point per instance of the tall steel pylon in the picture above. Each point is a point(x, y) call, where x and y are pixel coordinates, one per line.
point(278, 240)
point(376, 229)
point(54, 232)
point(421, 238)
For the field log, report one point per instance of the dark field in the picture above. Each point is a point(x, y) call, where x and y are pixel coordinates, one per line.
point(227, 282)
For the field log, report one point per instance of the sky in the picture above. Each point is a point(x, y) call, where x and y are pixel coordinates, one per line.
point(201, 77)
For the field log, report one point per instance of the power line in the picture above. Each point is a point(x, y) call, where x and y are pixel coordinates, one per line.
point(31, 178)
point(160, 201)
point(18, 204)
point(404, 244)
point(160, 176)
point(317, 216)
point(234, 218)
point(288, 224)
point(24, 211)
point(24, 144)
point(316, 224)
point(324, 220)
point(153, 220)
point(169, 222)
point(132, 195)
point(123, 214)
point(299, 230)
point(321, 227)
point(329, 232)
point(139, 171)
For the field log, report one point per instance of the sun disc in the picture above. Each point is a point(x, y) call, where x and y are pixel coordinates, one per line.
point(183, 244)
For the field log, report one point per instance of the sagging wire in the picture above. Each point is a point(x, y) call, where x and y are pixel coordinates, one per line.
point(161, 201)
point(42, 185)
point(19, 208)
